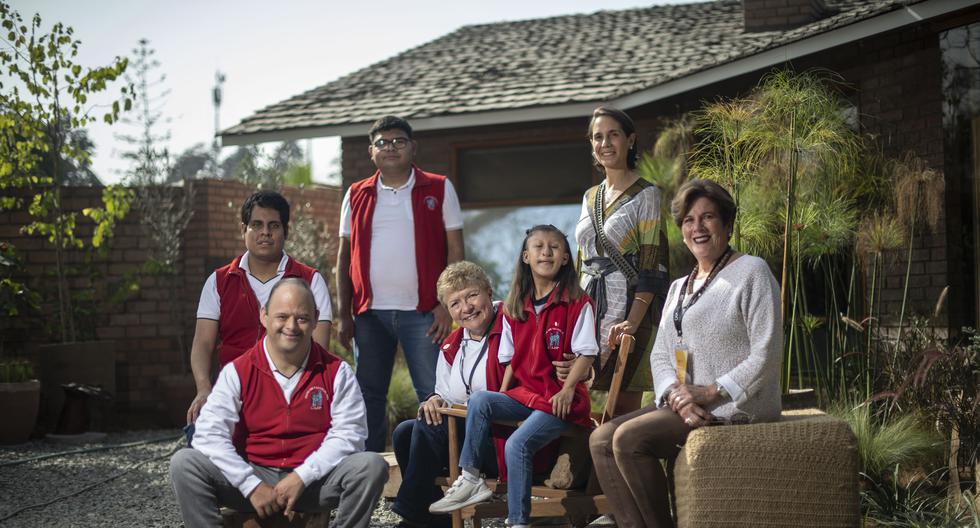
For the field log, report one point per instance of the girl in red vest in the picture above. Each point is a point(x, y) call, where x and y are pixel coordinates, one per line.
point(546, 315)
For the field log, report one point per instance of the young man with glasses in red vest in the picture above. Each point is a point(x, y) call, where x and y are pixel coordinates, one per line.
point(283, 429)
point(230, 300)
point(399, 229)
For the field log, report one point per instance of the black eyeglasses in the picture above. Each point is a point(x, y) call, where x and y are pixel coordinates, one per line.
point(397, 143)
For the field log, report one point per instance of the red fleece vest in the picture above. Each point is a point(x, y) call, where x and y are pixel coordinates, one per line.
point(239, 327)
point(430, 237)
point(272, 432)
point(495, 371)
point(539, 340)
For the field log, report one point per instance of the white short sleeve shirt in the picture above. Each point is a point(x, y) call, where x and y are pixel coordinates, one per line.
point(393, 241)
point(209, 306)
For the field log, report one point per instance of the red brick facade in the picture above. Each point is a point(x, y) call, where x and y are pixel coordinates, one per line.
point(146, 335)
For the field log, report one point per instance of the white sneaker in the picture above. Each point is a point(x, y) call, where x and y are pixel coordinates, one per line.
point(461, 494)
point(603, 520)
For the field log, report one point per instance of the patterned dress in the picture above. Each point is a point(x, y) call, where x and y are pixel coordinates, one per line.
point(633, 224)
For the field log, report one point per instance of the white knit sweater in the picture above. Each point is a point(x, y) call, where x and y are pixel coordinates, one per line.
point(734, 336)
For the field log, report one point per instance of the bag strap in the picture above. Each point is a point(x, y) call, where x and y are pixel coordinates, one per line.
point(597, 214)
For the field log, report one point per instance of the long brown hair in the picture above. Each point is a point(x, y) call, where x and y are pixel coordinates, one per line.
point(566, 282)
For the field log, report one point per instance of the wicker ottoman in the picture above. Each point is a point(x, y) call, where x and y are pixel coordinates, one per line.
point(801, 471)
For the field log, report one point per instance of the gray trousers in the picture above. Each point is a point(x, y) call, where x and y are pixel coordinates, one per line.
point(353, 487)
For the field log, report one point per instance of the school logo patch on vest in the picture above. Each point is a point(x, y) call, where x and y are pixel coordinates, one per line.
point(431, 202)
point(552, 338)
point(316, 395)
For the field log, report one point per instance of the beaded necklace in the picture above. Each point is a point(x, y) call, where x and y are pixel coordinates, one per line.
point(688, 288)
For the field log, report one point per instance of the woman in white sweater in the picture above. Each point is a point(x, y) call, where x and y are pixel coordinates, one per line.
point(716, 359)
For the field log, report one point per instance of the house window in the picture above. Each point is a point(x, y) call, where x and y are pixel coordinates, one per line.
point(960, 49)
point(521, 174)
point(494, 235)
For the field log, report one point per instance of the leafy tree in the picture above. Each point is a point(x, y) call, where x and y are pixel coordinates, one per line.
point(44, 99)
point(189, 163)
point(284, 166)
point(148, 155)
point(165, 211)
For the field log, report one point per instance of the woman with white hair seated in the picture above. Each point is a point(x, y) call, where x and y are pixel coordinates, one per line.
point(467, 363)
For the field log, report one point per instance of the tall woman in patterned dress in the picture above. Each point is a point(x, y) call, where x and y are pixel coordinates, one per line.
point(622, 253)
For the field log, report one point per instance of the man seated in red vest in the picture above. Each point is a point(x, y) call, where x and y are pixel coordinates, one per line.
point(231, 297)
point(283, 430)
point(398, 231)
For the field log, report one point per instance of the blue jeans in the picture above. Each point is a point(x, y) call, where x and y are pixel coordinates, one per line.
point(376, 337)
point(538, 430)
point(422, 454)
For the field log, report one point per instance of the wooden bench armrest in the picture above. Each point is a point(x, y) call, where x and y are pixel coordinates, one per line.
point(452, 411)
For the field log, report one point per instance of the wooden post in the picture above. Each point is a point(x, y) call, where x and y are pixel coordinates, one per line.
point(454, 463)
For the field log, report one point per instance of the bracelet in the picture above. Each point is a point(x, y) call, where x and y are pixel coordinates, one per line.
point(642, 300)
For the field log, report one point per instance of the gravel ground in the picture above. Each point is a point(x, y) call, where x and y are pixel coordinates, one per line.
point(71, 490)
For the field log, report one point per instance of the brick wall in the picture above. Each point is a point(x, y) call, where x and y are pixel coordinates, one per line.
point(147, 335)
point(893, 79)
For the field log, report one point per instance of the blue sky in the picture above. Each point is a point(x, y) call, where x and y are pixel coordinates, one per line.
point(268, 51)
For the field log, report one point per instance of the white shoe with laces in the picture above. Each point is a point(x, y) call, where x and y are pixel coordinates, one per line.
point(461, 494)
point(603, 520)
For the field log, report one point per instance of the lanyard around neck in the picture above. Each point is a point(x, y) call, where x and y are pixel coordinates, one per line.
point(680, 309)
point(483, 350)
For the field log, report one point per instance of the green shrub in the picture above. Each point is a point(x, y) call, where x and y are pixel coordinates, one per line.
point(16, 371)
point(920, 503)
point(884, 443)
point(402, 401)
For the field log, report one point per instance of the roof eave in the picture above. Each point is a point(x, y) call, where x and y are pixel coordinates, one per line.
point(878, 24)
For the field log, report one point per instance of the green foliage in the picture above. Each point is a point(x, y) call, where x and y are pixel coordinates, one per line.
point(402, 401)
point(668, 174)
point(298, 174)
point(116, 201)
point(930, 375)
point(15, 296)
point(918, 503)
point(45, 99)
point(45, 94)
point(283, 166)
point(16, 371)
point(886, 442)
point(308, 241)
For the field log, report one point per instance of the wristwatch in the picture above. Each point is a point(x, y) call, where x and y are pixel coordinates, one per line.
point(722, 392)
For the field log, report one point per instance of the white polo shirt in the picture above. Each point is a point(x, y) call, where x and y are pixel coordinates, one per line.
point(394, 275)
point(209, 307)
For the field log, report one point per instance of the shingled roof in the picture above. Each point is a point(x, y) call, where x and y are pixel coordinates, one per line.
point(542, 63)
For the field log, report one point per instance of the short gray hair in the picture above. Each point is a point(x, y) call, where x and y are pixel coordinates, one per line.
point(459, 276)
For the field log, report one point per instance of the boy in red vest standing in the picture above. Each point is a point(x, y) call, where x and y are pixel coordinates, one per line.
point(231, 297)
point(283, 430)
point(399, 229)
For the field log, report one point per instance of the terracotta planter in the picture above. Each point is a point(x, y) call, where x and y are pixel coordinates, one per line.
point(20, 403)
